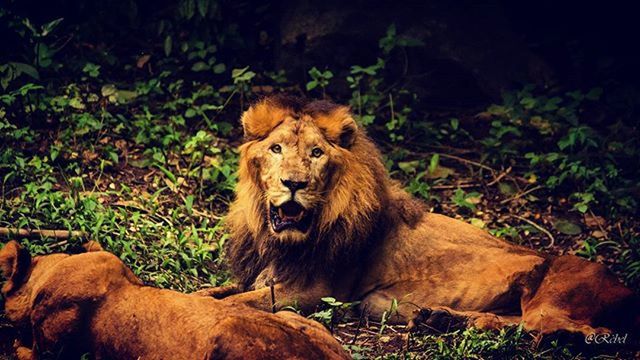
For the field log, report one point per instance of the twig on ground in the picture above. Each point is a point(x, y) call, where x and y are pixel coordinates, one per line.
point(455, 186)
point(604, 232)
point(518, 196)
point(499, 177)
point(363, 313)
point(473, 184)
point(552, 240)
point(28, 233)
point(470, 162)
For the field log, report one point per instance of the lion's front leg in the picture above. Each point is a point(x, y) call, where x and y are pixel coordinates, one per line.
point(278, 296)
point(23, 352)
point(445, 319)
point(219, 292)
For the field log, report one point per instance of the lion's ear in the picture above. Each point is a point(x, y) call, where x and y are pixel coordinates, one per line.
point(339, 126)
point(92, 245)
point(262, 118)
point(14, 262)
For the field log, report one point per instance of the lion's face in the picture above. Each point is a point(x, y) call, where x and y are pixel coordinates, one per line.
point(293, 159)
point(22, 273)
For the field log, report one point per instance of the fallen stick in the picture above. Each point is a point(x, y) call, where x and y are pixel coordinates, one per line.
point(552, 240)
point(28, 233)
point(518, 196)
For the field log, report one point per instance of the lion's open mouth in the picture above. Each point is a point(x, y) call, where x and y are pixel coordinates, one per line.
point(289, 216)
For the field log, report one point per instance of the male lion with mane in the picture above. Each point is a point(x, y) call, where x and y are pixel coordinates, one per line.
point(316, 214)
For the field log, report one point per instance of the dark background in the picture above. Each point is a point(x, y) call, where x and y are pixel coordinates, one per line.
point(473, 50)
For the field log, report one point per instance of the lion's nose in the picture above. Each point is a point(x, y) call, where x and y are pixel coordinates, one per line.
point(294, 185)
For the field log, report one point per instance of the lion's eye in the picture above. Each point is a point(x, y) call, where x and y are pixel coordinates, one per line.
point(317, 152)
point(276, 149)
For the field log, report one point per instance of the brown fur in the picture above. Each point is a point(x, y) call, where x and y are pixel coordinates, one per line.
point(93, 303)
point(372, 242)
point(341, 229)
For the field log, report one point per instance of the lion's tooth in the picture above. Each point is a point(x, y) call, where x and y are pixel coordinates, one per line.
point(280, 212)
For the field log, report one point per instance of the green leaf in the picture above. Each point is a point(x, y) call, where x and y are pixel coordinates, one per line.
point(594, 94)
point(506, 188)
point(566, 227)
point(409, 167)
point(237, 72)
point(125, 96)
point(188, 203)
point(200, 66)
point(219, 68)
point(44, 54)
point(108, 90)
point(187, 9)
point(528, 102)
point(91, 69)
point(433, 164)
point(48, 27)
point(29, 26)
point(477, 223)
point(168, 45)
point(328, 299)
point(311, 85)
point(455, 123)
point(242, 75)
point(117, 96)
point(76, 103)
point(203, 6)
point(167, 173)
point(53, 154)
point(440, 172)
point(22, 68)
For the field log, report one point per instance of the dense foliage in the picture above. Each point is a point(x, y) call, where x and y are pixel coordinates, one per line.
point(121, 122)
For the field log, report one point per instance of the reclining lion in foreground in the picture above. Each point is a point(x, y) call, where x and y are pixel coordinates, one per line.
point(92, 303)
point(316, 213)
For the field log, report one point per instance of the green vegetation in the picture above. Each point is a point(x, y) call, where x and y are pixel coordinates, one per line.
point(139, 153)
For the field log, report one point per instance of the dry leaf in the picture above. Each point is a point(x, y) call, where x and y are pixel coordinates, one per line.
point(121, 144)
point(594, 221)
point(440, 172)
point(142, 61)
point(477, 223)
point(89, 155)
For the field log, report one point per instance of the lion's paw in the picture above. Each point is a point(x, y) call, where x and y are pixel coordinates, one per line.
point(444, 319)
point(220, 292)
point(22, 352)
point(438, 318)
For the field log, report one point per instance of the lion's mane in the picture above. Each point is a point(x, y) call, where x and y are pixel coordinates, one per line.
point(359, 203)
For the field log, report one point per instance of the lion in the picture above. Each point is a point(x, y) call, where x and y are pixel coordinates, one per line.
point(69, 305)
point(317, 214)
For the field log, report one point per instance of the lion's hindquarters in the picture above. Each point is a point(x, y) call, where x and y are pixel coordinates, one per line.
point(261, 335)
point(580, 296)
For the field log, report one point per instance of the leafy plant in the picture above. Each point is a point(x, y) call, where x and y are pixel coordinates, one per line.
point(242, 80)
point(91, 69)
point(466, 200)
point(319, 78)
point(333, 311)
point(578, 157)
